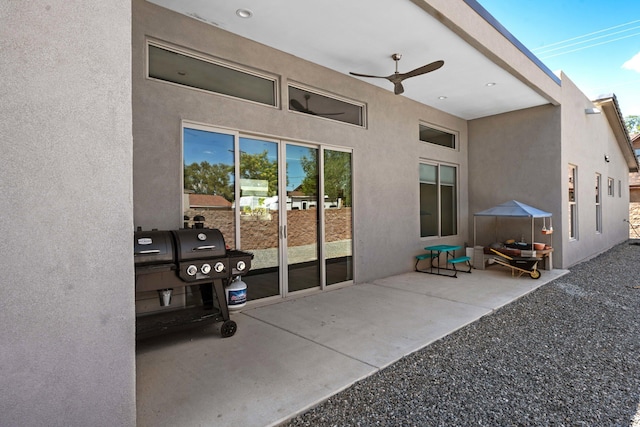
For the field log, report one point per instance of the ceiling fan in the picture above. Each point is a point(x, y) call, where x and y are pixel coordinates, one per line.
point(397, 77)
point(296, 105)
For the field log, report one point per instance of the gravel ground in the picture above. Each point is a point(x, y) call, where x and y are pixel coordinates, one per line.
point(567, 354)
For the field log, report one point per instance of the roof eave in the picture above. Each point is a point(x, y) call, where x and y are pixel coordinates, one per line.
point(609, 105)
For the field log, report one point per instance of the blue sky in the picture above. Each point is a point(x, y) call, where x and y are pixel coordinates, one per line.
point(596, 43)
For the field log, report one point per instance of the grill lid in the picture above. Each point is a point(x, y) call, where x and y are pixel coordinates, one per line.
point(153, 247)
point(199, 243)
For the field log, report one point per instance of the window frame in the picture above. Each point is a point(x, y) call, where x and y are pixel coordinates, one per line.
point(439, 186)
point(598, 203)
point(214, 61)
point(611, 190)
point(302, 87)
point(573, 204)
point(454, 134)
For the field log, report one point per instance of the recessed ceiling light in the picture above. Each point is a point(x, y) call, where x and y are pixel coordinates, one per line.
point(244, 13)
point(491, 84)
point(442, 97)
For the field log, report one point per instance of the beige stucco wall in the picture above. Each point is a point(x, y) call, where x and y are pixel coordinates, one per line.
point(524, 155)
point(587, 138)
point(516, 156)
point(386, 154)
point(67, 345)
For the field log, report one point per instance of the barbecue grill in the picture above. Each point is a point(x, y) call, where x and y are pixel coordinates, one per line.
point(167, 259)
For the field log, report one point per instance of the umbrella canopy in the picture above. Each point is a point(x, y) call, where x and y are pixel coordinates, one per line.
point(515, 209)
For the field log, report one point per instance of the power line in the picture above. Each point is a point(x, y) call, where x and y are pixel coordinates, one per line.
point(585, 41)
point(587, 47)
point(585, 35)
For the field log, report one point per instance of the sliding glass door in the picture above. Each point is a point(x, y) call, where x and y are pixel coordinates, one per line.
point(265, 196)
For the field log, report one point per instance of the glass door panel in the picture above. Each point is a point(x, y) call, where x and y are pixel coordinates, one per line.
point(264, 197)
point(259, 215)
point(338, 241)
point(302, 218)
point(209, 180)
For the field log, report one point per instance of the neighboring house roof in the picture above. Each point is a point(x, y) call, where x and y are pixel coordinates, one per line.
point(208, 201)
point(611, 108)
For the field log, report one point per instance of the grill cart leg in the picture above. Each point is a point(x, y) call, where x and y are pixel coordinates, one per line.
point(218, 286)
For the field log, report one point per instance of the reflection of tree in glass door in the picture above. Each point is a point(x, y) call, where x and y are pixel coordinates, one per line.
point(337, 216)
point(265, 229)
point(302, 218)
point(259, 215)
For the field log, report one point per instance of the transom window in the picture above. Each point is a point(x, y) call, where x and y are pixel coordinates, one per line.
point(438, 200)
point(437, 137)
point(314, 103)
point(195, 71)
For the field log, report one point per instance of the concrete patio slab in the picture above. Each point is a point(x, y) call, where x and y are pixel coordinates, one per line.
point(260, 375)
point(373, 324)
point(491, 288)
point(292, 355)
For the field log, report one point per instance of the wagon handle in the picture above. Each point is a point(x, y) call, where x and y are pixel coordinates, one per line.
point(501, 254)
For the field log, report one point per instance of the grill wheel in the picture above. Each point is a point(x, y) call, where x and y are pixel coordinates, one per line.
point(228, 329)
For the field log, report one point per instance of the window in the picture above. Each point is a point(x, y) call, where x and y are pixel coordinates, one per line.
point(438, 200)
point(302, 100)
point(619, 188)
point(610, 187)
point(598, 203)
point(438, 137)
point(191, 70)
point(573, 204)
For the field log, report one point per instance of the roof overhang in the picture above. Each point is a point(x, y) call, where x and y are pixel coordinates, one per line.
point(609, 105)
point(486, 71)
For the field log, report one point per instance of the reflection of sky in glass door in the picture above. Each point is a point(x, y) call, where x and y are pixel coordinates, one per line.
point(295, 173)
point(212, 147)
point(257, 146)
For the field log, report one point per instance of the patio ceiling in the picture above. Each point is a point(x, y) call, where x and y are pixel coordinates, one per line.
point(361, 36)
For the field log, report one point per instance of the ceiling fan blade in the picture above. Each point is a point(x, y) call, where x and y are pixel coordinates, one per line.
point(296, 105)
point(423, 70)
point(398, 88)
point(367, 75)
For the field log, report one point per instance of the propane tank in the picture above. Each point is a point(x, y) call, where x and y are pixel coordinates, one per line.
point(236, 294)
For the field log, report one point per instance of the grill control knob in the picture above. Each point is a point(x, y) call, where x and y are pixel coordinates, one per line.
point(240, 266)
point(219, 267)
point(192, 270)
point(205, 269)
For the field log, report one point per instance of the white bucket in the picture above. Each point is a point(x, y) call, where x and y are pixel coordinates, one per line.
point(236, 294)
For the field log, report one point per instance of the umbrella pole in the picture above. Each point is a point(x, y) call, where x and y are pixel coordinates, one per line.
point(532, 231)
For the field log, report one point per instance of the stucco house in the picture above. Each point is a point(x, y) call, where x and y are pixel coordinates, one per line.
point(107, 105)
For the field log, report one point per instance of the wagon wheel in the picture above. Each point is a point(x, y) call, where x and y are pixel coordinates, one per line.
point(535, 274)
point(228, 328)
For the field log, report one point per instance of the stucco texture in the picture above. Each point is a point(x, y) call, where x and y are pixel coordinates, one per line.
point(386, 153)
point(67, 312)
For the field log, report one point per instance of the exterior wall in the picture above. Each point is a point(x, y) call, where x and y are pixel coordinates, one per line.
point(386, 154)
point(516, 156)
point(67, 315)
point(587, 138)
point(524, 155)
